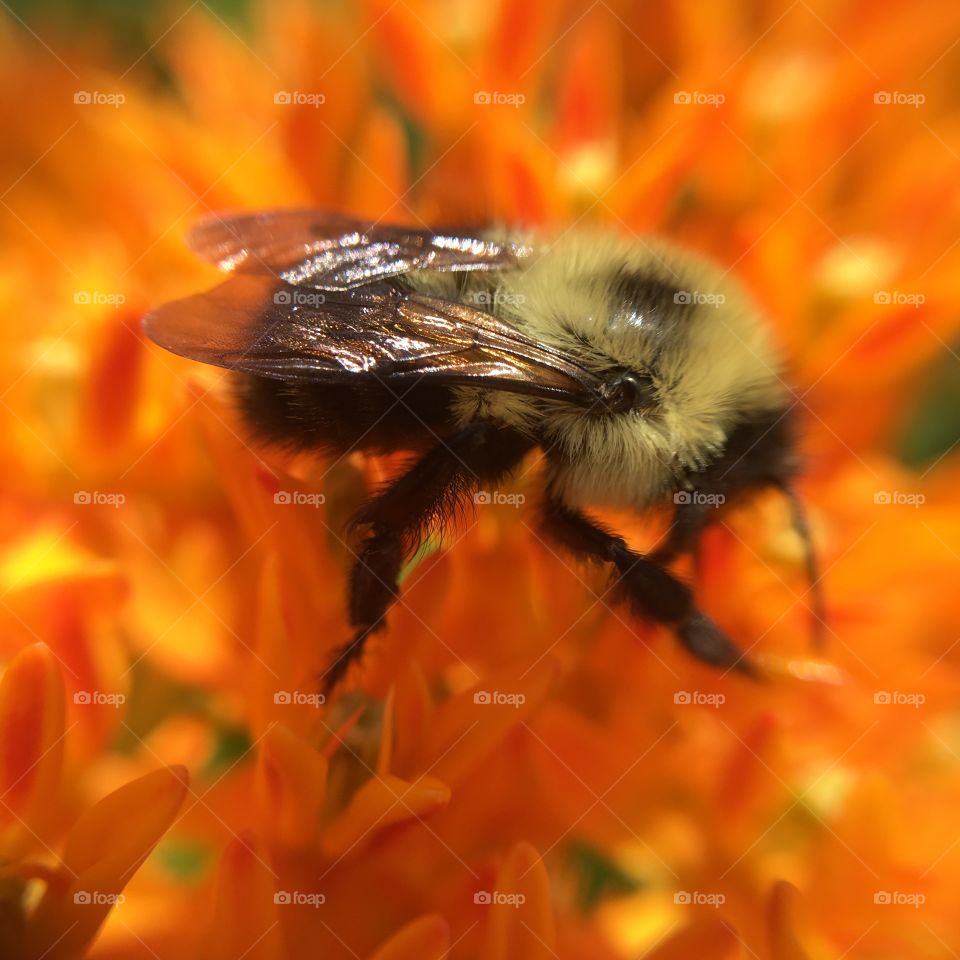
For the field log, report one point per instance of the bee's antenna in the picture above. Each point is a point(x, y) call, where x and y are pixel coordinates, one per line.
point(798, 516)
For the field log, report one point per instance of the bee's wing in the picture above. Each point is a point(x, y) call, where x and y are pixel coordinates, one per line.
point(330, 252)
point(254, 323)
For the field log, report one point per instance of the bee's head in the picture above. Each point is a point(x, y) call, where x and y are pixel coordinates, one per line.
point(627, 391)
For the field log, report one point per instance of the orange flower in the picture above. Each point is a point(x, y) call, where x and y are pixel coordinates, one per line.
point(162, 608)
point(104, 845)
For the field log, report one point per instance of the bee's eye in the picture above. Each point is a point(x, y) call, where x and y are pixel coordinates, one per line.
point(628, 391)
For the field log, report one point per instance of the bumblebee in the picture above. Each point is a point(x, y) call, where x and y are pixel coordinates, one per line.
point(644, 375)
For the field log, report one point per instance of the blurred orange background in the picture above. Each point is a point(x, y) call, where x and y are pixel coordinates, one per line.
point(170, 787)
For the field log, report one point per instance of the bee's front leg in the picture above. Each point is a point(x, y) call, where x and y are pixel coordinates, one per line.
point(683, 535)
point(651, 591)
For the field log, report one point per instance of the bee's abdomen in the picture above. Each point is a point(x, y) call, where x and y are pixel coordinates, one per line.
point(368, 415)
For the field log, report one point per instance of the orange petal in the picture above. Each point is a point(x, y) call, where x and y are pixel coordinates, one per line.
point(291, 780)
point(31, 749)
point(520, 923)
point(385, 754)
point(588, 97)
point(376, 180)
point(522, 174)
point(275, 670)
point(427, 938)
point(465, 728)
point(745, 780)
point(288, 658)
point(102, 851)
point(339, 735)
point(114, 383)
point(413, 708)
point(523, 32)
point(379, 803)
point(244, 922)
point(784, 944)
point(708, 938)
point(409, 56)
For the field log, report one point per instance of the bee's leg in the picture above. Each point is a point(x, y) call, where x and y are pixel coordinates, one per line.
point(683, 536)
point(651, 591)
point(399, 518)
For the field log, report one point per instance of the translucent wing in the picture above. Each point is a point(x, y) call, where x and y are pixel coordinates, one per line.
point(330, 252)
point(255, 323)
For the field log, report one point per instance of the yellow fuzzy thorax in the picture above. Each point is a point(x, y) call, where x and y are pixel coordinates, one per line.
point(698, 335)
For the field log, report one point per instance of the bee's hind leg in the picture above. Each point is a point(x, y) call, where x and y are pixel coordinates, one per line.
point(652, 592)
point(400, 517)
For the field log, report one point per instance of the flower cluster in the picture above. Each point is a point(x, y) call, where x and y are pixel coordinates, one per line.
point(517, 770)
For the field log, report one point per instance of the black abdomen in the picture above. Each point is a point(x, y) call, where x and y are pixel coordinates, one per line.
point(367, 415)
